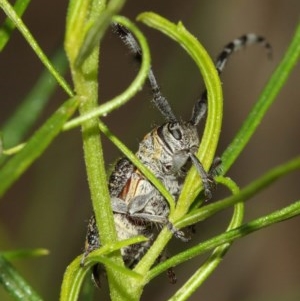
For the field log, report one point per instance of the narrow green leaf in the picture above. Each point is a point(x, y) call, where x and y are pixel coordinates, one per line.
point(228, 237)
point(131, 156)
point(201, 274)
point(10, 12)
point(112, 247)
point(212, 130)
point(14, 284)
point(78, 12)
point(21, 121)
point(13, 169)
point(97, 30)
point(211, 79)
point(210, 76)
point(8, 26)
point(72, 281)
point(133, 88)
point(245, 194)
point(75, 272)
point(24, 253)
point(9, 151)
point(197, 279)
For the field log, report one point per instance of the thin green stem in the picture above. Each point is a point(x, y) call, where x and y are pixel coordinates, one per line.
point(10, 151)
point(85, 81)
point(133, 88)
point(216, 257)
point(85, 76)
point(97, 30)
point(212, 130)
point(245, 194)
point(198, 278)
point(149, 175)
point(76, 27)
point(228, 237)
point(75, 272)
point(24, 253)
point(21, 121)
point(36, 145)
point(211, 79)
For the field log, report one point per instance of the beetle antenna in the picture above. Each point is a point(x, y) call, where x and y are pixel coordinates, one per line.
point(235, 45)
point(158, 99)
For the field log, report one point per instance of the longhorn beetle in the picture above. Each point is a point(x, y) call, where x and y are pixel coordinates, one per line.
point(167, 151)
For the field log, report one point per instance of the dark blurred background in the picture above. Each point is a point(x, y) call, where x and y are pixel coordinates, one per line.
point(50, 205)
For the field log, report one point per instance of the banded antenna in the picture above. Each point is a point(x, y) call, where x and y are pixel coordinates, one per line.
point(158, 99)
point(237, 44)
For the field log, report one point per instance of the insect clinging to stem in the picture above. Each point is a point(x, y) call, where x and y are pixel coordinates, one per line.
point(168, 151)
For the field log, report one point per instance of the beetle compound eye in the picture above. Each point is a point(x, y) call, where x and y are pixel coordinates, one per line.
point(175, 131)
point(176, 134)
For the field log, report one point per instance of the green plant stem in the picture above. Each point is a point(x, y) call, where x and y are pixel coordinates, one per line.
point(75, 273)
point(212, 129)
point(36, 145)
point(96, 32)
point(228, 237)
point(85, 77)
point(211, 79)
point(77, 16)
point(20, 122)
point(72, 281)
point(10, 12)
point(197, 279)
point(24, 253)
point(267, 97)
point(245, 194)
point(148, 174)
point(133, 88)
point(86, 85)
point(216, 257)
